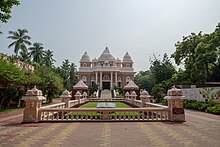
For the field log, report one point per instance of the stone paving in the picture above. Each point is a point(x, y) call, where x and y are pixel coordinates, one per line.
point(201, 129)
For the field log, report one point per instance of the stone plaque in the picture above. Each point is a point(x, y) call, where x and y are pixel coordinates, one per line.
point(178, 111)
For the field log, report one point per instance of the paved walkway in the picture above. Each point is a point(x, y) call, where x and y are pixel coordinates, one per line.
point(200, 130)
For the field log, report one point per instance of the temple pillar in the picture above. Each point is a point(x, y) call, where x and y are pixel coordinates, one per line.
point(100, 80)
point(175, 104)
point(33, 100)
point(116, 79)
point(111, 85)
point(96, 78)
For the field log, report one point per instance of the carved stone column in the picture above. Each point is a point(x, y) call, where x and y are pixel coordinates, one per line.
point(78, 95)
point(65, 96)
point(133, 97)
point(84, 95)
point(175, 104)
point(111, 84)
point(96, 77)
point(100, 80)
point(145, 97)
point(116, 79)
point(33, 99)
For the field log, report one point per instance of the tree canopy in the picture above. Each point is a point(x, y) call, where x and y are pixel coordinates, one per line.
point(5, 9)
point(199, 53)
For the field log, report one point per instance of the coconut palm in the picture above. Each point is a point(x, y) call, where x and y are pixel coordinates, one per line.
point(24, 56)
point(48, 58)
point(21, 39)
point(37, 52)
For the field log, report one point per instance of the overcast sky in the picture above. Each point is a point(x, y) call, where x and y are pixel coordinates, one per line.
point(141, 27)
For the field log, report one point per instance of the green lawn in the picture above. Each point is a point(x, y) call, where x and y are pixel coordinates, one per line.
point(93, 105)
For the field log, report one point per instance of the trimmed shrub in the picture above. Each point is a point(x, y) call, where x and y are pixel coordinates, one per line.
point(214, 109)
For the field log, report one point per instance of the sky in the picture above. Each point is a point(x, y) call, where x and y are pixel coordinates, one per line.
point(140, 27)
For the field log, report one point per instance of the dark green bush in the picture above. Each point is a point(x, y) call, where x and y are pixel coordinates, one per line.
point(214, 109)
point(164, 102)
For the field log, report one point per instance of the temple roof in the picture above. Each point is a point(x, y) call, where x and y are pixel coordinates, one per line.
point(85, 57)
point(127, 57)
point(131, 85)
point(80, 85)
point(106, 56)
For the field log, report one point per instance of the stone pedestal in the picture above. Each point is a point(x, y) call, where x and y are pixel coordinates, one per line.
point(175, 104)
point(127, 94)
point(84, 95)
point(78, 95)
point(33, 100)
point(133, 97)
point(65, 96)
point(145, 97)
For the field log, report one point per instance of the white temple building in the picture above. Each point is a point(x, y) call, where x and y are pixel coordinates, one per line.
point(106, 71)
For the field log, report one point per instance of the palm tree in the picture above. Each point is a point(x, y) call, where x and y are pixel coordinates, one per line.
point(24, 56)
point(37, 52)
point(48, 58)
point(21, 39)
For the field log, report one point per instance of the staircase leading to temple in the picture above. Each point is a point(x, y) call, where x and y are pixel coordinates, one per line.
point(105, 94)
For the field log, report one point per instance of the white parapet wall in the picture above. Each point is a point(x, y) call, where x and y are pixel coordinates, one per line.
point(201, 94)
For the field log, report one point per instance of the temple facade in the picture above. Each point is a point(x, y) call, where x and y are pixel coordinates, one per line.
point(106, 71)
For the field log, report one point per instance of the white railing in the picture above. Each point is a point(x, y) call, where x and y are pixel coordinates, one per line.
point(148, 104)
point(137, 103)
point(106, 100)
point(103, 114)
point(59, 105)
point(73, 103)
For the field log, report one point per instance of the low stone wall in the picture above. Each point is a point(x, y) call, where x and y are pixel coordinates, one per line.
point(201, 94)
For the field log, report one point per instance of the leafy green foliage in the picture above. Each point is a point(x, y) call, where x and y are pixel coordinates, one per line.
point(92, 88)
point(9, 73)
point(213, 107)
point(13, 79)
point(200, 54)
point(49, 82)
point(37, 52)
point(21, 39)
point(68, 72)
point(5, 9)
point(158, 79)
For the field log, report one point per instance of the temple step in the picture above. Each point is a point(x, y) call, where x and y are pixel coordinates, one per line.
point(106, 94)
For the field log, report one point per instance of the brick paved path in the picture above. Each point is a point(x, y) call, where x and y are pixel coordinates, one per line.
point(201, 129)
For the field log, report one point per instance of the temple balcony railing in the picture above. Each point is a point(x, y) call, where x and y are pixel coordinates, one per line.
point(106, 68)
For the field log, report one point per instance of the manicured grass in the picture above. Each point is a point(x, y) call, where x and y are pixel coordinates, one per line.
point(93, 105)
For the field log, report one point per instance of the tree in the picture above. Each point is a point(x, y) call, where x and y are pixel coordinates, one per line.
point(37, 52)
point(200, 54)
point(48, 58)
point(12, 78)
point(73, 78)
point(21, 39)
point(144, 80)
point(49, 82)
point(161, 70)
point(68, 72)
point(24, 56)
point(65, 73)
point(5, 9)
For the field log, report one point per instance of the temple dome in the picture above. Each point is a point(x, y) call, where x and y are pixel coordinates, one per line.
point(85, 57)
point(106, 56)
point(127, 57)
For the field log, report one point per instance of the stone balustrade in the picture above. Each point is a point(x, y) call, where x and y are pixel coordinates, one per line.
point(106, 114)
point(63, 112)
point(59, 105)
